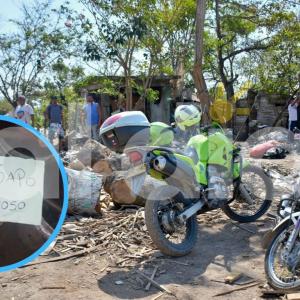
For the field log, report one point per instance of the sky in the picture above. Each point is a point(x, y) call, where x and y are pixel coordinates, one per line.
point(10, 9)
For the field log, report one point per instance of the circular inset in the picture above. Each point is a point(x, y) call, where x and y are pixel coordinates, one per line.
point(33, 193)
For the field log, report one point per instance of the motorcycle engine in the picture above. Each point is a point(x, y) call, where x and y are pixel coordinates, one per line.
point(217, 188)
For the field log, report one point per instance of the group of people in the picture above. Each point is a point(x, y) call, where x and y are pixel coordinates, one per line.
point(91, 116)
point(54, 121)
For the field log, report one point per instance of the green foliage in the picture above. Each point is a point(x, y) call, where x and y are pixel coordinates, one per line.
point(148, 94)
point(109, 87)
point(249, 40)
point(276, 70)
point(62, 76)
point(37, 42)
point(5, 107)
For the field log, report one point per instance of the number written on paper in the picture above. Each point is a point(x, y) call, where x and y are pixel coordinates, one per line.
point(12, 205)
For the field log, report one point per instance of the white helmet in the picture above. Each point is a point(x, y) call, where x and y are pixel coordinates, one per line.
point(187, 116)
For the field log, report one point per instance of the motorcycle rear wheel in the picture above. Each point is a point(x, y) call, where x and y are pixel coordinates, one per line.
point(163, 201)
point(231, 209)
point(274, 264)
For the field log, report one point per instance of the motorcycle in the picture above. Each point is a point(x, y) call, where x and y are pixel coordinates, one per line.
point(282, 259)
point(209, 174)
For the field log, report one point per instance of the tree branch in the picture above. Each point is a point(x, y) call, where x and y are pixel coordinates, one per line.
point(247, 49)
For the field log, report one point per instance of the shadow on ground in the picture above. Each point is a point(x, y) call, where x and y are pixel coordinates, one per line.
point(226, 242)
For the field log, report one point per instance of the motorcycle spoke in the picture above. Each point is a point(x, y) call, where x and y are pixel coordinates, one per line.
point(279, 267)
point(256, 190)
point(178, 236)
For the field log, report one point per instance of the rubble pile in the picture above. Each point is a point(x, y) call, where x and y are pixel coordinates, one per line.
point(122, 235)
point(267, 134)
point(99, 168)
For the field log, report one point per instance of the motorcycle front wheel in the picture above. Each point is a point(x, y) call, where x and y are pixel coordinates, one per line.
point(170, 237)
point(259, 187)
point(279, 273)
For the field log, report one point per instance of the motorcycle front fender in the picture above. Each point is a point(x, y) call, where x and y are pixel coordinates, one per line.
point(269, 236)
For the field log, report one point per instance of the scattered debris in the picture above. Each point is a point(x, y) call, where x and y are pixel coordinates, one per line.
point(243, 228)
point(63, 257)
point(259, 150)
point(160, 287)
point(158, 296)
point(295, 296)
point(237, 289)
point(52, 288)
point(232, 278)
point(271, 294)
point(49, 249)
point(147, 288)
point(121, 234)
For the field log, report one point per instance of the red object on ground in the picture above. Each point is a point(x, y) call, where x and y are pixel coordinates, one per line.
point(259, 150)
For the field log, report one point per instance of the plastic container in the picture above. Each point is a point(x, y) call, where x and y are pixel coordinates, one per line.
point(124, 130)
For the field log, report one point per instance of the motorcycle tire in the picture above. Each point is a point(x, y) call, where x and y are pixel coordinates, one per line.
point(155, 228)
point(265, 205)
point(272, 279)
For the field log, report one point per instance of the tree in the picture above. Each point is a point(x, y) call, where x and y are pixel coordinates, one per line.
point(239, 29)
point(34, 46)
point(62, 77)
point(275, 70)
point(167, 46)
point(143, 38)
point(198, 74)
point(170, 39)
point(112, 31)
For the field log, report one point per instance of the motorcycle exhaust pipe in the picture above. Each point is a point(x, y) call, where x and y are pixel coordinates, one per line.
point(164, 166)
point(173, 168)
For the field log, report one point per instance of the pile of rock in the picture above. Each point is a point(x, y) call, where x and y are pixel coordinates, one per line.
point(92, 167)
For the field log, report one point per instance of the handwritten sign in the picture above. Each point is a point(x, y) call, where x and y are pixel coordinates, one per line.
point(21, 190)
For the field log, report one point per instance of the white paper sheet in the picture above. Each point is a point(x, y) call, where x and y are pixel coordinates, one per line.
point(21, 190)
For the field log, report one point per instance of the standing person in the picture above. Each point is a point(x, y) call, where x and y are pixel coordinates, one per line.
point(24, 111)
point(298, 112)
point(54, 119)
point(293, 117)
point(293, 114)
point(92, 115)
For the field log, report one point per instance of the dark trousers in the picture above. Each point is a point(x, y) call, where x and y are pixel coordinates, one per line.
point(293, 125)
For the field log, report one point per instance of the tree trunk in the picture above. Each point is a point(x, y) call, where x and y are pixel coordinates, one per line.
point(125, 188)
point(198, 76)
point(179, 83)
point(229, 91)
point(128, 91)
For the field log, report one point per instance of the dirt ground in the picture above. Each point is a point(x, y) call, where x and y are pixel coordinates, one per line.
point(222, 248)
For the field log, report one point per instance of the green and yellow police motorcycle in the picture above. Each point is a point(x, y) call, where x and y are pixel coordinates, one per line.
point(208, 174)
